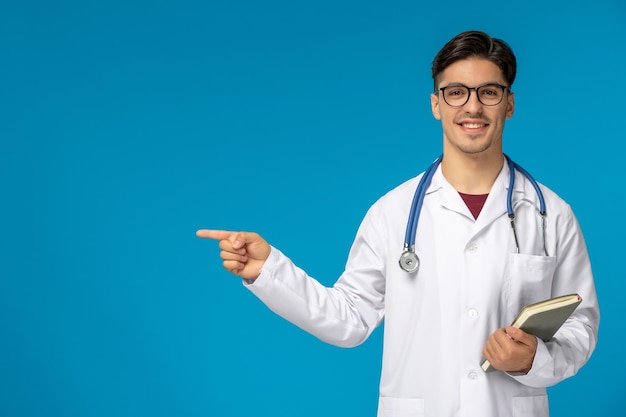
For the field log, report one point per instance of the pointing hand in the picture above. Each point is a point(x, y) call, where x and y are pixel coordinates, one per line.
point(244, 253)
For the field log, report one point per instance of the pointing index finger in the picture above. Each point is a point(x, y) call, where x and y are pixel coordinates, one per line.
point(214, 234)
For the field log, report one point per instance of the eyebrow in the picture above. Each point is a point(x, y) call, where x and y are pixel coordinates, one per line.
point(479, 85)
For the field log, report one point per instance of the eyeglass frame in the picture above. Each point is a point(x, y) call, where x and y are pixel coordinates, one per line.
point(503, 87)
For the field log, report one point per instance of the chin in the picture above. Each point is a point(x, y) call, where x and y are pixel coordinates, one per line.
point(473, 148)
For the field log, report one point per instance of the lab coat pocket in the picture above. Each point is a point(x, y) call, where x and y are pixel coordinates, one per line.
point(528, 279)
point(400, 407)
point(535, 406)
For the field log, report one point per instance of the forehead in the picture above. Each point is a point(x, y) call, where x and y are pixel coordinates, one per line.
point(472, 72)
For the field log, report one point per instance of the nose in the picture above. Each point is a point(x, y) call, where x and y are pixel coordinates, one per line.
point(473, 105)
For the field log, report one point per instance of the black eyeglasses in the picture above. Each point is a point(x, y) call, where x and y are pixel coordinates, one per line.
point(456, 95)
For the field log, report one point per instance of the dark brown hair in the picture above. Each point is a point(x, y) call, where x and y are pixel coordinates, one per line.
point(478, 45)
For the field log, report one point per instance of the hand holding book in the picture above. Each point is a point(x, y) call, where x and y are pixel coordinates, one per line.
point(543, 319)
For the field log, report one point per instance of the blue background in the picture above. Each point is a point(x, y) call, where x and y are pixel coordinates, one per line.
point(127, 125)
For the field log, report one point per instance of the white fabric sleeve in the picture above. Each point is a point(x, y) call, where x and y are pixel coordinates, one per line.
point(326, 313)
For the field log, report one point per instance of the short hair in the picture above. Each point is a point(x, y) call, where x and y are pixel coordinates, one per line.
point(475, 44)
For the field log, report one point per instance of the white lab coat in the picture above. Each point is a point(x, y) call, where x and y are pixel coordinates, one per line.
point(469, 284)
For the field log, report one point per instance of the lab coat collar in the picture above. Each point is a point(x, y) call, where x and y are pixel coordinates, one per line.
point(494, 207)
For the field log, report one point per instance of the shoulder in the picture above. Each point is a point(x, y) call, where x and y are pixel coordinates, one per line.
point(401, 194)
point(558, 210)
point(393, 206)
point(554, 203)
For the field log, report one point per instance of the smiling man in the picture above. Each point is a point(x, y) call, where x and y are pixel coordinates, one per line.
point(464, 271)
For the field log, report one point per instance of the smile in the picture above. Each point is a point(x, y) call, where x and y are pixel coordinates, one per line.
point(473, 125)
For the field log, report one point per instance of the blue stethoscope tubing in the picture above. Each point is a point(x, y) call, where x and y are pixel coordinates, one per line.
point(409, 261)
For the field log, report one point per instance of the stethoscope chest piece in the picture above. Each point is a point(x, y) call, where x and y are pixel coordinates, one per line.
point(409, 261)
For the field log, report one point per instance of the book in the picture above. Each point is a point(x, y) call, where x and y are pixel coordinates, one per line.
point(543, 319)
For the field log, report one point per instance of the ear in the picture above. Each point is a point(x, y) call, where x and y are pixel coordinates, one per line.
point(510, 105)
point(434, 105)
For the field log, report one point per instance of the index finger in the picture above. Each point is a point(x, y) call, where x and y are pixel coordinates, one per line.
point(214, 234)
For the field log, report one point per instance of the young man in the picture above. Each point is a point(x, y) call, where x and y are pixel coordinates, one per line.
point(476, 271)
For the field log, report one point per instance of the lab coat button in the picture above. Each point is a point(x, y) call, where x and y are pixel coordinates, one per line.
point(472, 313)
point(472, 248)
point(472, 375)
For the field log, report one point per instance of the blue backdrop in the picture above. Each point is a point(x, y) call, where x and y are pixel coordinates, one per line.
point(127, 125)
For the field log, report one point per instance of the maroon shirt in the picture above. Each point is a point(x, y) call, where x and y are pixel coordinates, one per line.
point(474, 202)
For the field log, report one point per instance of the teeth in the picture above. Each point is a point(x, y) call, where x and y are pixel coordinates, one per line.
point(473, 125)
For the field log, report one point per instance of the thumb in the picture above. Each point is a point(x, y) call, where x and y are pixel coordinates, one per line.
point(252, 244)
point(518, 334)
point(241, 239)
point(513, 332)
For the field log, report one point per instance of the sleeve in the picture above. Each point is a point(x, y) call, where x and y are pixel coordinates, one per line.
point(572, 346)
point(343, 315)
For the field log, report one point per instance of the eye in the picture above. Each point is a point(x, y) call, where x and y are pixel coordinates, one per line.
point(455, 91)
point(490, 91)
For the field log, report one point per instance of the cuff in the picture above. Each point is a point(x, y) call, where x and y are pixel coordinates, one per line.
point(542, 357)
point(268, 268)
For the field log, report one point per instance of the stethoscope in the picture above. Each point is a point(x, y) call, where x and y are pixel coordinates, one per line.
point(410, 262)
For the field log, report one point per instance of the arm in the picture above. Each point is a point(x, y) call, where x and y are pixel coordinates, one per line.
point(344, 315)
point(336, 315)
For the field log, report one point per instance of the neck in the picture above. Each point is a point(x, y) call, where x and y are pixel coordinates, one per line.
point(472, 174)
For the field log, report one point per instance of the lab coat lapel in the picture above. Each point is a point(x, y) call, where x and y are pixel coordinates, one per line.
point(495, 206)
point(448, 196)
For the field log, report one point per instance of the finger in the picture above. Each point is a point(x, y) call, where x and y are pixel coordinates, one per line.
point(501, 338)
point(228, 246)
point(520, 336)
point(214, 234)
point(230, 256)
point(496, 347)
point(498, 340)
point(238, 239)
point(241, 239)
point(234, 267)
point(498, 343)
point(487, 350)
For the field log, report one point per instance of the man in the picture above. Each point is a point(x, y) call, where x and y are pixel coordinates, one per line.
point(475, 274)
